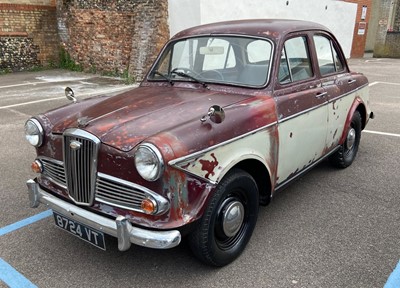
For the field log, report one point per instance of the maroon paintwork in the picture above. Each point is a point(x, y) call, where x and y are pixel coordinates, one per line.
point(169, 117)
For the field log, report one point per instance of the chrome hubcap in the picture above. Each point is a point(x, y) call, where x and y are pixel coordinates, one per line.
point(351, 138)
point(232, 218)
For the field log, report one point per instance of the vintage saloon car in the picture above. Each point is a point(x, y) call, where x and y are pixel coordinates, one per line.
point(228, 114)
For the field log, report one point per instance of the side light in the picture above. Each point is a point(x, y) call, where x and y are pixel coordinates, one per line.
point(37, 166)
point(149, 206)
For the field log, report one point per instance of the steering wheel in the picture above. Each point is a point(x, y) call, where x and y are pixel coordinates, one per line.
point(212, 74)
point(184, 70)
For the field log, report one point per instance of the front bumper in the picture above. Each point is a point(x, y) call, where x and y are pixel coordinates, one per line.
point(119, 228)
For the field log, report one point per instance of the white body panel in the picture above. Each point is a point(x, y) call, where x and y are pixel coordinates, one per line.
point(301, 142)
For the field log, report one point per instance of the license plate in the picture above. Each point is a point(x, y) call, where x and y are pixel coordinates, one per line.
point(84, 232)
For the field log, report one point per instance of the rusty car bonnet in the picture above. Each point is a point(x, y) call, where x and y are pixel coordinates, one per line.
point(125, 120)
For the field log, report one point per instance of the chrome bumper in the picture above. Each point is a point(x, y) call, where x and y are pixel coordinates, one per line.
point(119, 228)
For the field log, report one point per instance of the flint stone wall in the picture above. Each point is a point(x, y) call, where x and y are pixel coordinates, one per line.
point(28, 35)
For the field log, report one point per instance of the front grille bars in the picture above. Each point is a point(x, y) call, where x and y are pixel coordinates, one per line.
point(80, 150)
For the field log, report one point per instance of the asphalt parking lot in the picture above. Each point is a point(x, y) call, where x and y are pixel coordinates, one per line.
point(331, 228)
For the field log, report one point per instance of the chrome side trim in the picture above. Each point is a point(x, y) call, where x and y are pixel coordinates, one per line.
point(320, 105)
point(120, 228)
point(303, 112)
point(348, 93)
point(176, 161)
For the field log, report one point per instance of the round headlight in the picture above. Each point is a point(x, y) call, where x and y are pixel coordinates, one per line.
point(149, 162)
point(34, 132)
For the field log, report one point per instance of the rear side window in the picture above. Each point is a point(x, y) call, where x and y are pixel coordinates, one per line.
point(328, 58)
point(295, 64)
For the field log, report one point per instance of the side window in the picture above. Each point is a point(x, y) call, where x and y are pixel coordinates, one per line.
point(223, 57)
point(295, 64)
point(328, 58)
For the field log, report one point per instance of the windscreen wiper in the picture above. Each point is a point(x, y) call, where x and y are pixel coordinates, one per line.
point(164, 76)
point(185, 75)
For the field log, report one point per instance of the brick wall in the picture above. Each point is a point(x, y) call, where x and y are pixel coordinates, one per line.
point(360, 28)
point(28, 34)
point(113, 36)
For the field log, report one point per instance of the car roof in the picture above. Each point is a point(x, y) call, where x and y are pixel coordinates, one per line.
point(268, 28)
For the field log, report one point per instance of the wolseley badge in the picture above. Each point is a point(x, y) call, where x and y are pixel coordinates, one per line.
point(75, 145)
point(83, 121)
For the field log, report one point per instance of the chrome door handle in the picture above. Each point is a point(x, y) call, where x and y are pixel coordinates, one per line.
point(351, 81)
point(320, 95)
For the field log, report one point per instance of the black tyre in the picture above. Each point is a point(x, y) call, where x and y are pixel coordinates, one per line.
point(228, 221)
point(346, 154)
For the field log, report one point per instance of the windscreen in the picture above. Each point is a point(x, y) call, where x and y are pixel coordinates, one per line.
point(225, 60)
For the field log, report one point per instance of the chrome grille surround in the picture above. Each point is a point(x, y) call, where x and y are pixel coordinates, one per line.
point(54, 170)
point(80, 150)
point(124, 194)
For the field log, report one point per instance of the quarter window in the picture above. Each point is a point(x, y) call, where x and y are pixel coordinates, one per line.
point(295, 64)
point(328, 58)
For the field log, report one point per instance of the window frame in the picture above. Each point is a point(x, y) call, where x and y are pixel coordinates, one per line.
point(309, 46)
point(334, 47)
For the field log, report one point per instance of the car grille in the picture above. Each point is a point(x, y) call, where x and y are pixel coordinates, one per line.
point(54, 170)
point(80, 161)
point(109, 190)
point(118, 192)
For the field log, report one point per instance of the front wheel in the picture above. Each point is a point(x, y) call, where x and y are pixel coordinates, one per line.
point(228, 221)
point(347, 152)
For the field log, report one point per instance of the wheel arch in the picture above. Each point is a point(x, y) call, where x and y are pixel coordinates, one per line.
point(358, 105)
point(363, 112)
point(261, 176)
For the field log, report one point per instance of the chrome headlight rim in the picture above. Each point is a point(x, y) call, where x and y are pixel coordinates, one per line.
point(40, 130)
point(157, 155)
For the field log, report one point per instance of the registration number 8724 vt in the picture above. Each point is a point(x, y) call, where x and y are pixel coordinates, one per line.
point(84, 232)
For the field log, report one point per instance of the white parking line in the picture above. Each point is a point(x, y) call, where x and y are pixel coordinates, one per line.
point(381, 133)
point(105, 91)
point(380, 82)
point(30, 102)
point(24, 84)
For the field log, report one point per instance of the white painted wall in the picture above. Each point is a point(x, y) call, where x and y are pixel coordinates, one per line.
point(338, 16)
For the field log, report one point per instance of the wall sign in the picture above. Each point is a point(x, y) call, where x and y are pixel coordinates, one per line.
point(361, 28)
point(364, 12)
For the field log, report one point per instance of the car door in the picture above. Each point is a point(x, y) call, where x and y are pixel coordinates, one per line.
point(337, 82)
point(302, 110)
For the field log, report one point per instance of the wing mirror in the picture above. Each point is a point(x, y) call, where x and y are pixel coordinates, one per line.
point(215, 113)
point(69, 93)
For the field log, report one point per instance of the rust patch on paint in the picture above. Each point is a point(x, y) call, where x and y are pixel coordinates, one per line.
point(209, 166)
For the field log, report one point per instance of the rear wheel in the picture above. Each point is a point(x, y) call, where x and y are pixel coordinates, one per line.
point(346, 154)
point(228, 221)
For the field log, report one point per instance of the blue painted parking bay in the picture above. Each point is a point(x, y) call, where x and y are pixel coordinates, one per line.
point(8, 274)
